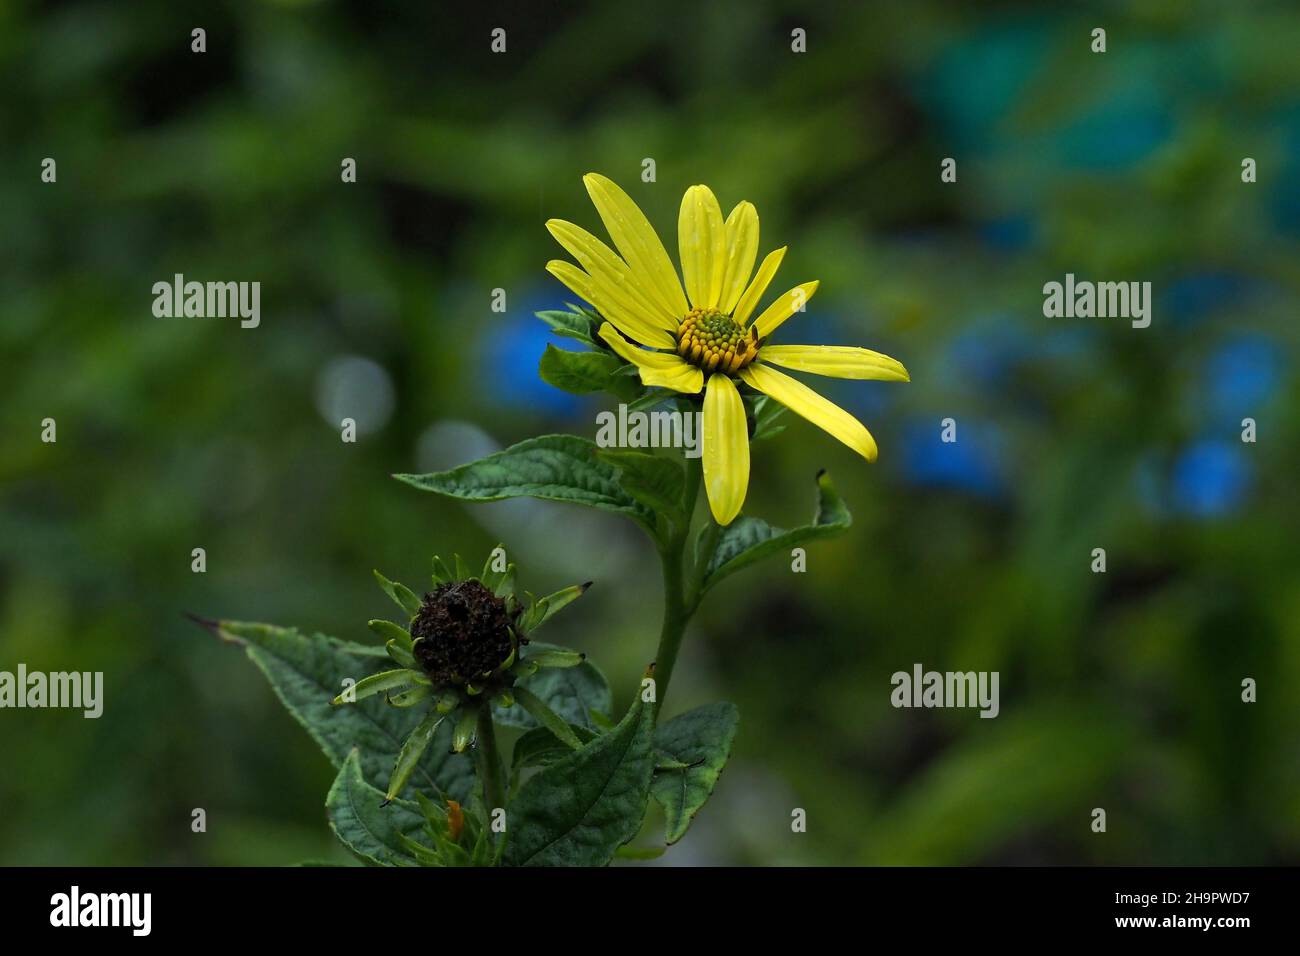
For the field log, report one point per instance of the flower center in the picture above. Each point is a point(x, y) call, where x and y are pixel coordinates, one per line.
point(462, 633)
point(715, 342)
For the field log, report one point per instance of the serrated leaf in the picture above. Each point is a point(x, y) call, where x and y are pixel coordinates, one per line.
point(371, 831)
point(581, 373)
point(572, 692)
point(655, 481)
point(582, 808)
point(306, 673)
point(700, 739)
point(552, 467)
point(748, 540)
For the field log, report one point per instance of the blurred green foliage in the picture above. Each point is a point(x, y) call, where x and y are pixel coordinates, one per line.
point(1119, 690)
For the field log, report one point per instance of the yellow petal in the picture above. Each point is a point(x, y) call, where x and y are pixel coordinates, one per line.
point(802, 400)
point(837, 361)
point(742, 250)
point(702, 246)
point(745, 306)
point(631, 324)
point(665, 369)
point(637, 242)
point(726, 449)
point(784, 307)
point(611, 274)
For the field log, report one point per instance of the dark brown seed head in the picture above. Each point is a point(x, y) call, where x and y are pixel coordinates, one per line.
point(462, 632)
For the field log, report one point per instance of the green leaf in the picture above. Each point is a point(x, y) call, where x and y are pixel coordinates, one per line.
point(547, 717)
point(655, 481)
point(411, 753)
point(748, 540)
point(442, 573)
point(651, 398)
point(701, 739)
point(539, 747)
point(306, 673)
point(572, 692)
point(574, 325)
point(388, 631)
point(401, 653)
point(505, 588)
point(552, 467)
point(545, 608)
point(370, 830)
point(369, 686)
point(402, 596)
point(411, 696)
point(489, 577)
point(581, 373)
point(555, 657)
point(766, 415)
point(466, 728)
point(582, 808)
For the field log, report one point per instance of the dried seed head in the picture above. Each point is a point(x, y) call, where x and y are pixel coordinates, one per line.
point(462, 632)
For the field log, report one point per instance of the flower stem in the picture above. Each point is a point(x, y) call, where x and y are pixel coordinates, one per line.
point(677, 609)
point(489, 761)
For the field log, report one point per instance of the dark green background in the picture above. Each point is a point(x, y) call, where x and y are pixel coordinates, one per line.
point(1119, 691)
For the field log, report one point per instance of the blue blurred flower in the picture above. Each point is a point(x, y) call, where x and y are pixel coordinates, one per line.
point(1240, 377)
point(974, 462)
point(511, 351)
point(1209, 479)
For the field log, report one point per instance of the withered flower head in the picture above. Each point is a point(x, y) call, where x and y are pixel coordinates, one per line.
point(462, 632)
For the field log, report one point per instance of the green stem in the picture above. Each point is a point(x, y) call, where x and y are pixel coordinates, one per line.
point(489, 761)
point(704, 554)
point(677, 609)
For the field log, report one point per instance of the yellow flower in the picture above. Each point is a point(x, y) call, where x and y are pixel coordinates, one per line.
point(677, 338)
